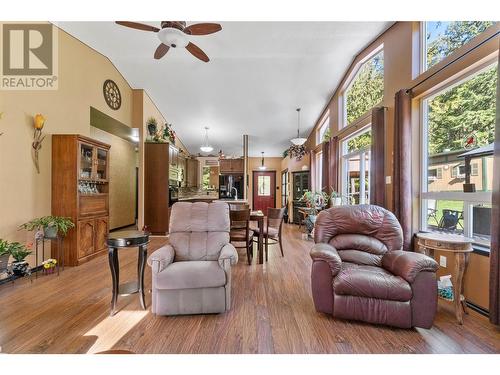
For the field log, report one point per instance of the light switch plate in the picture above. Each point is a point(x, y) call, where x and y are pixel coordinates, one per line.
point(388, 180)
point(442, 261)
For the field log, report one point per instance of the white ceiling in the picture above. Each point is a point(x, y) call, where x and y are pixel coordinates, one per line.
point(258, 74)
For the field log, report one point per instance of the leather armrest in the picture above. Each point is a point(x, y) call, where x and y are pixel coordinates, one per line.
point(327, 253)
point(228, 252)
point(408, 264)
point(161, 258)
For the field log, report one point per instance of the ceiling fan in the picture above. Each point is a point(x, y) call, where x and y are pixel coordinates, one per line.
point(173, 34)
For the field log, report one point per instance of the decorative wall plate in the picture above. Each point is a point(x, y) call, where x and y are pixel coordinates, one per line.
point(112, 94)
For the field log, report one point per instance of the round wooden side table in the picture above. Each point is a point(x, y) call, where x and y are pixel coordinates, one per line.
point(121, 240)
point(460, 247)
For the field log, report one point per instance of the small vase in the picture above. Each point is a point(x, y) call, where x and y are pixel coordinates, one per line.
point(50, 232)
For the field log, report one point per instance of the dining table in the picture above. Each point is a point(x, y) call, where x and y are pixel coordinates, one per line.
point(259, 216)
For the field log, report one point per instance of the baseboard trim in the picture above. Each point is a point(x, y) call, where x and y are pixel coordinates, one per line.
point(478, 309)
point(122, 227)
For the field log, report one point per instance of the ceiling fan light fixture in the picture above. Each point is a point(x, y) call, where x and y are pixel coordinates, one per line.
point(173, 37)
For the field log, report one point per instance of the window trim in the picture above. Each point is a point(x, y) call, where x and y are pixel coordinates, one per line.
point(345, 156)
point(347, 84)
point(325, 121)
point(468, 199)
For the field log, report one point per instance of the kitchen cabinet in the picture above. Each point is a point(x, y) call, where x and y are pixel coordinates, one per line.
point(231, 166)
point(192, 171)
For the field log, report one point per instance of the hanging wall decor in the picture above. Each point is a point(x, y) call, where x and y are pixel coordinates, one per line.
point(38, 123)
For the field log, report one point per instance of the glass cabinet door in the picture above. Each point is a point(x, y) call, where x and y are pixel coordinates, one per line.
point(101, 164)
point(86, 161)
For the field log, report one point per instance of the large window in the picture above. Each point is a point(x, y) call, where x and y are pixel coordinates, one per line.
point(325, 124)
point(319, 171)
point(458, 135)
point(442, 38)
point(356, 167)
point(366, 89)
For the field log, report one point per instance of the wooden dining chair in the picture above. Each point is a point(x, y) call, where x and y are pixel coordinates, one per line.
point(273, 229)
point(241, 232)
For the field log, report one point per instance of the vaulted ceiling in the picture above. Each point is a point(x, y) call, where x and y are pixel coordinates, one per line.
point(258, 74)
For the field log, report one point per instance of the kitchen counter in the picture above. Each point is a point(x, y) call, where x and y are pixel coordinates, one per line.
point(207, 198)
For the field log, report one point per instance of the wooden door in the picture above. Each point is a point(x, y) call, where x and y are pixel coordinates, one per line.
point(101, 233)
point(86, 237)
point(264, 190)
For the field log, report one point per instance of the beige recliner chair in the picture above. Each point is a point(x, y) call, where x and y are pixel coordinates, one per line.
point(192, 275)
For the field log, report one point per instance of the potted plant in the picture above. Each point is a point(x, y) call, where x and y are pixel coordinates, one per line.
point(19, 252)
point(51, 225)
point(315, 201)
point(335, 198)
point(152, 125)
point(4, 256)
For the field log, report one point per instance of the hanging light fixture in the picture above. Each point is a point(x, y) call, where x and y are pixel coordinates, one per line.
point(262, 167)
point(206, 146)
point(299, 141)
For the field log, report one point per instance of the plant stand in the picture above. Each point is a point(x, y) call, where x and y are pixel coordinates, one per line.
point(60, 256)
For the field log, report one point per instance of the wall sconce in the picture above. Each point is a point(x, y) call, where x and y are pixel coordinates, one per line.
point(38, 122)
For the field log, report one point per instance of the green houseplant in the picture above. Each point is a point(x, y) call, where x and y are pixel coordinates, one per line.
point(51, 225)
point(315, 201)
point(4, 256)
point(19, 252)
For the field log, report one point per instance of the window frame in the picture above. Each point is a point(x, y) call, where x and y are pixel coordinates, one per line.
point(345, 155)
point(469, 199)
point(423, 47)
point(318, 172)
point(324, 125)
point(343, 124)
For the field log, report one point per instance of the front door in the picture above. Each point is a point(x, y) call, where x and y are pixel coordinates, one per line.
point(264, 190)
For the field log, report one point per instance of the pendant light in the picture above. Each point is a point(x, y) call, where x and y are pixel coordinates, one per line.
point(262, 167)
point(206, 146)
point(299, 141)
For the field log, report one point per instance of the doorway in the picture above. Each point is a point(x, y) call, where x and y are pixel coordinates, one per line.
point(264, 190)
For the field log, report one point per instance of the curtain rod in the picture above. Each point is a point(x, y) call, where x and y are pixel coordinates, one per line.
point(453, 61)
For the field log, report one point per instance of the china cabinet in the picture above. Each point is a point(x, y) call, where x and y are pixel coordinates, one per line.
point(80, 188)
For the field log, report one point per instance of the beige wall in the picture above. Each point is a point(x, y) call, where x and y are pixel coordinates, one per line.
point(24, 194)
point(122, 166)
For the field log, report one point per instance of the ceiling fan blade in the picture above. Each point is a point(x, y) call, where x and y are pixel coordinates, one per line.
point(138, 26)
point(197, 52)
point(203, 28)
point(161, 51)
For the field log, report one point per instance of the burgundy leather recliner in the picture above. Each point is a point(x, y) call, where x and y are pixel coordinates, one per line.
point(360, 272)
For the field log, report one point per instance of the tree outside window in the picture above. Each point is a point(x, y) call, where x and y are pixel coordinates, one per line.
point(366, 89)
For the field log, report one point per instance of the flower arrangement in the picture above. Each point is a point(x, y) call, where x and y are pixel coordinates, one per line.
point(297, 152)
point(49, 265)
point(162, 135)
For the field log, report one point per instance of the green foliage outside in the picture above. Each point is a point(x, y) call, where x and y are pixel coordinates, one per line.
point(455, 35)
point(206, 178)
point(367, 88)
point(361, 141)
point(464, 110)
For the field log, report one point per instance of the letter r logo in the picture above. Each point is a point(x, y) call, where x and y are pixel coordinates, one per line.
point(27, 49)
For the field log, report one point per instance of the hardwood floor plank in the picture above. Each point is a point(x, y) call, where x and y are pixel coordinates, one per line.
point(272, 312)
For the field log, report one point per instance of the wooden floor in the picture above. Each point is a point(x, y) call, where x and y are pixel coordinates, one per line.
point(272, 313)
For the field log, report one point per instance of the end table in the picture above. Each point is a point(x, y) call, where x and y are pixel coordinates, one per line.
point(122, 240)
point(460, 247)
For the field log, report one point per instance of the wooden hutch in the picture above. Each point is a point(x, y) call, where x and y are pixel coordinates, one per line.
point(80, 187)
